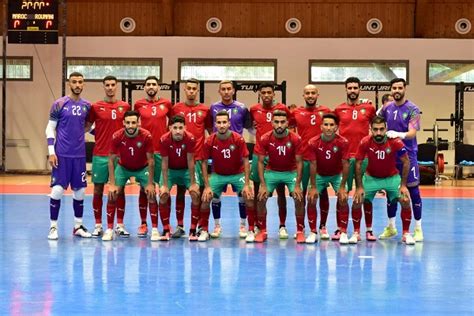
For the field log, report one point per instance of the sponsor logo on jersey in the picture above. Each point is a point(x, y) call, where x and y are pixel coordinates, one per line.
point(139, 144)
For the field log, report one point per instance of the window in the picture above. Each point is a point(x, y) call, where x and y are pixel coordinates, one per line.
point(18, 68)
point(374, 71)
point(449, 72)
point(214, 70)
point(125, 69)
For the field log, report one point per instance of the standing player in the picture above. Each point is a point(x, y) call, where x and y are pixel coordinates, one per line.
point(403, 121)
point(239, 119)
point(198, 120)
point(354, 124)
point(329, 160)
point(308, 121)
point(382, 174)
point(261, 115)
point(154, 113)
point(107, 115)
point(230, 164)
point(284, 152)
point(134, 148)
point(386, 99)
point(177, 151)
point(67, 153)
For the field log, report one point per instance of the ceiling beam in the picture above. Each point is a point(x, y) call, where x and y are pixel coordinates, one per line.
point(168, 16)
point(421, 18)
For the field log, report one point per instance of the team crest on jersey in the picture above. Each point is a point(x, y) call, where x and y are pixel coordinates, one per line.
point(388, 150)
point(183, 146)
point(321, 113)
point(235, 111)
point(405, 115)
point(139, 144)
point(199, 113)
point(335, 149)
point(362, 111)
point(84, 108)
point(120, 108)
point(288, 144)
point(232, 147)
point(162, 107)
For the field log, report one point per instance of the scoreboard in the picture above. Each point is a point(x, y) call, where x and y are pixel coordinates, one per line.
point(33, 22)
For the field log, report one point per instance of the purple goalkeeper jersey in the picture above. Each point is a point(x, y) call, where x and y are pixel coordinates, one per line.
point(401, 119)
point(238, 114)
point(71, 117)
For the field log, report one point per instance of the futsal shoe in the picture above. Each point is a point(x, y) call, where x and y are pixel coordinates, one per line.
point(121, 232)
point(369, 236)
point(337, 235)
point(312, 238)
point(408, 239)
point(388, 232)
point(261, 236)
point(81, 231)
point(418, 234)
point(166, 236)
point(108, 235)
point(250, 237)
point(142, 230)
point(243, 231)
point(355, 238)
point(217, 232)
point(193, 236)
point(53, 233)
point(283, 232)
point(203, 235)
point(98, 231)
point(343, 240)
point(300, 237)
point(155, 234)
point(323, 232)
point(179, 232)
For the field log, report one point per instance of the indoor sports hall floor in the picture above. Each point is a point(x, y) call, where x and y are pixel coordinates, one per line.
point(228, 276)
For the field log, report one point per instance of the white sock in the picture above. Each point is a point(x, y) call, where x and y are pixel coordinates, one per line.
point(243, 221)
point(418, 223)
point(391, 222)
point(217, 221)
point(77, 222)
point(54, 224)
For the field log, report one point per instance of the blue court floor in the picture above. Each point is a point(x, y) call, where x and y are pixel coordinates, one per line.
point(228, 276)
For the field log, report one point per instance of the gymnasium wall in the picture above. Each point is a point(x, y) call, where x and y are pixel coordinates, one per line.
point(28, 103)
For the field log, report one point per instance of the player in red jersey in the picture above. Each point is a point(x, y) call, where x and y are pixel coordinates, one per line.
point(382, 173)
point(230, 164)
point(154, 113)
point(354, 124)
point(329, 161)
point(198, 121)
point(133, 145)
point(261, 115)
point(284, 152)
point(107, 115)
point(177, 151)
point(308, 120)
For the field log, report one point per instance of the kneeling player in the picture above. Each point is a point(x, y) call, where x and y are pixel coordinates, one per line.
point(177, 168)
point(329, 157)
point(133, 145)
point(230, 163)
point(382, 173)
point(285, 165)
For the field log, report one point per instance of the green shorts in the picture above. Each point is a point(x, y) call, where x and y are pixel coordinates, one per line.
point(198, 173)
point(122, 175)
point(322, 182)
point(305, 174)
point(351, 176)
point(219, 183)
point(274, 178)
point(157, 175)
point(178, 177)
point(254, 168)
point(391, 185)
point(100, 169)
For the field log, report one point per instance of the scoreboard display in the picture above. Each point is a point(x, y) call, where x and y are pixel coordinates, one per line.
point(33, 22)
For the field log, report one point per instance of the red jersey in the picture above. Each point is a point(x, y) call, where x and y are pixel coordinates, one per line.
point(354, 123)
point(382, 157)
point(308, 124)
point(177, 151)
point(154, 118)
point(226, 154)
point(281, 152)
point(262, 118)
point(108, 118)
point(198, 119)
point(132, 150)
point(328, 155)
